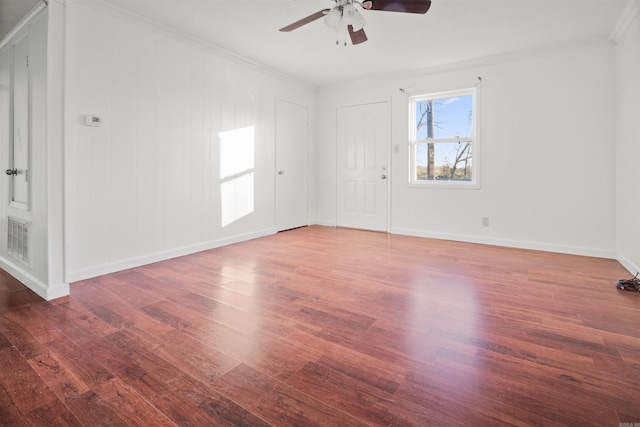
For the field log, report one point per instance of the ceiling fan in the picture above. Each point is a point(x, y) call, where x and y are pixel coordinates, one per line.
point(346, 15)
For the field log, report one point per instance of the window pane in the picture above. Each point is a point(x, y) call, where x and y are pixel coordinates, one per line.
point(444, 161)
point(445, 117)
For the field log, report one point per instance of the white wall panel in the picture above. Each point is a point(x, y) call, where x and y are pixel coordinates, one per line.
point(5, 135)
point(547, 129)
point(145, 168)
point(38, 125)
point(628, 146)
point(147, 184)
point(122, 118)
point(57, 285)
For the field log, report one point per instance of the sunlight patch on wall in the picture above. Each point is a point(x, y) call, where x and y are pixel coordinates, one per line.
point(237, 152)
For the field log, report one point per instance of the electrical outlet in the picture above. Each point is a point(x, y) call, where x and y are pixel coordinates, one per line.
point(485, 221)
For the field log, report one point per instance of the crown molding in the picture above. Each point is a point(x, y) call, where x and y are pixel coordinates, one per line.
point(629, 14)
point(37, 9)
point(485, 61)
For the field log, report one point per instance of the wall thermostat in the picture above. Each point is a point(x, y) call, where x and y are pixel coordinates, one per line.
point(93, 120)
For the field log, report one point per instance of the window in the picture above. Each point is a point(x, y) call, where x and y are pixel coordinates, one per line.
point(443, 139)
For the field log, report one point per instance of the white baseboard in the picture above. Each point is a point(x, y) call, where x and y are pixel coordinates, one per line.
point(537, 246)
point(57, 291)
point(323, 223)
point(99, 270)
point(82, 274)
point(631, 266)
point(48, 292)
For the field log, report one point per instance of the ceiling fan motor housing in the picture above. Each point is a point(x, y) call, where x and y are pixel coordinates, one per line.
point(345, 14)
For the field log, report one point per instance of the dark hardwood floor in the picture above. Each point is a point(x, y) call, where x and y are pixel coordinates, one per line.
point(331, 327)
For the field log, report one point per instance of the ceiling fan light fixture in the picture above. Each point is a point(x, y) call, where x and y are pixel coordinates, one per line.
point(351, 16)
point(334, 19)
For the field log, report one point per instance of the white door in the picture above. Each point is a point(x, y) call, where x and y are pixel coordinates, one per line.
point(292, 130)
point(362, 163)
point(19, 150)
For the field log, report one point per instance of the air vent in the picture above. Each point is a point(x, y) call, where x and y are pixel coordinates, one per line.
point(18, 239)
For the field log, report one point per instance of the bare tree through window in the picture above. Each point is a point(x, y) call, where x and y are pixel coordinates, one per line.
point(444, 139)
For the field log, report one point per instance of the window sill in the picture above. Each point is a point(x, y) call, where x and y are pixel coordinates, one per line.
point(445, 185)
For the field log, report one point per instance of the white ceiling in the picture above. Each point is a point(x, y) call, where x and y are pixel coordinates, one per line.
point(452, 31)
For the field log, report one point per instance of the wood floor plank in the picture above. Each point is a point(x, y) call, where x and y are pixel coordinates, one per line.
point(10, 414)
point(329, 326)
point(94, 292)
point(79, 324)
point(365, 369)
point(122, 400)
point(135, 296)
point(491, 405)
point(90, 409)
point(278, 403)
point(534, 392)
point(534, 388)
point(20, 336)
point(124, 316)
point(14, 294)
point(354, 397)
point(12, 299)
point(206, 404)
point(68, 369)
point(127, 364)
point(177, 395)
point(200, 359)
point(10, 283)
point(24, 389)
point(56, 414)
point(275, 357)
point(4, 342)
point(38, 328)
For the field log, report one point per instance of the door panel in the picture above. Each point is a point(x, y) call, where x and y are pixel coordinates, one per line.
point(291, 165)
point(362, 157)
point(20, 138)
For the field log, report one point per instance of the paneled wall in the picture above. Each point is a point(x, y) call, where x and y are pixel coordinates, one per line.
point(547, 152)
point(628, 142)
point(147, 184)
point(36, 275)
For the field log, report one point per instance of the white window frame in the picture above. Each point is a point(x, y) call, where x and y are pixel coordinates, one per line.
point(474, 183)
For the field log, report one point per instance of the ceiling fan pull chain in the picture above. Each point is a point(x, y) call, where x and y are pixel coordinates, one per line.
point(341, 34)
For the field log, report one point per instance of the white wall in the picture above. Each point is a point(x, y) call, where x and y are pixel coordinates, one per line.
point(628, 142)
point(39, 275)
point(146, 185)
point(55, 148)
point(547, 135)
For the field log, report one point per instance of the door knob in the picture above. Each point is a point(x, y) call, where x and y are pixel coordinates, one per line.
point(11, 172)
point(280, 172)
point(384, 176)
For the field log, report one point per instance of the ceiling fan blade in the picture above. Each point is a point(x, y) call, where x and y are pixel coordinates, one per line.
point(357, 37)
point(407, 6)
point(305, 21)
